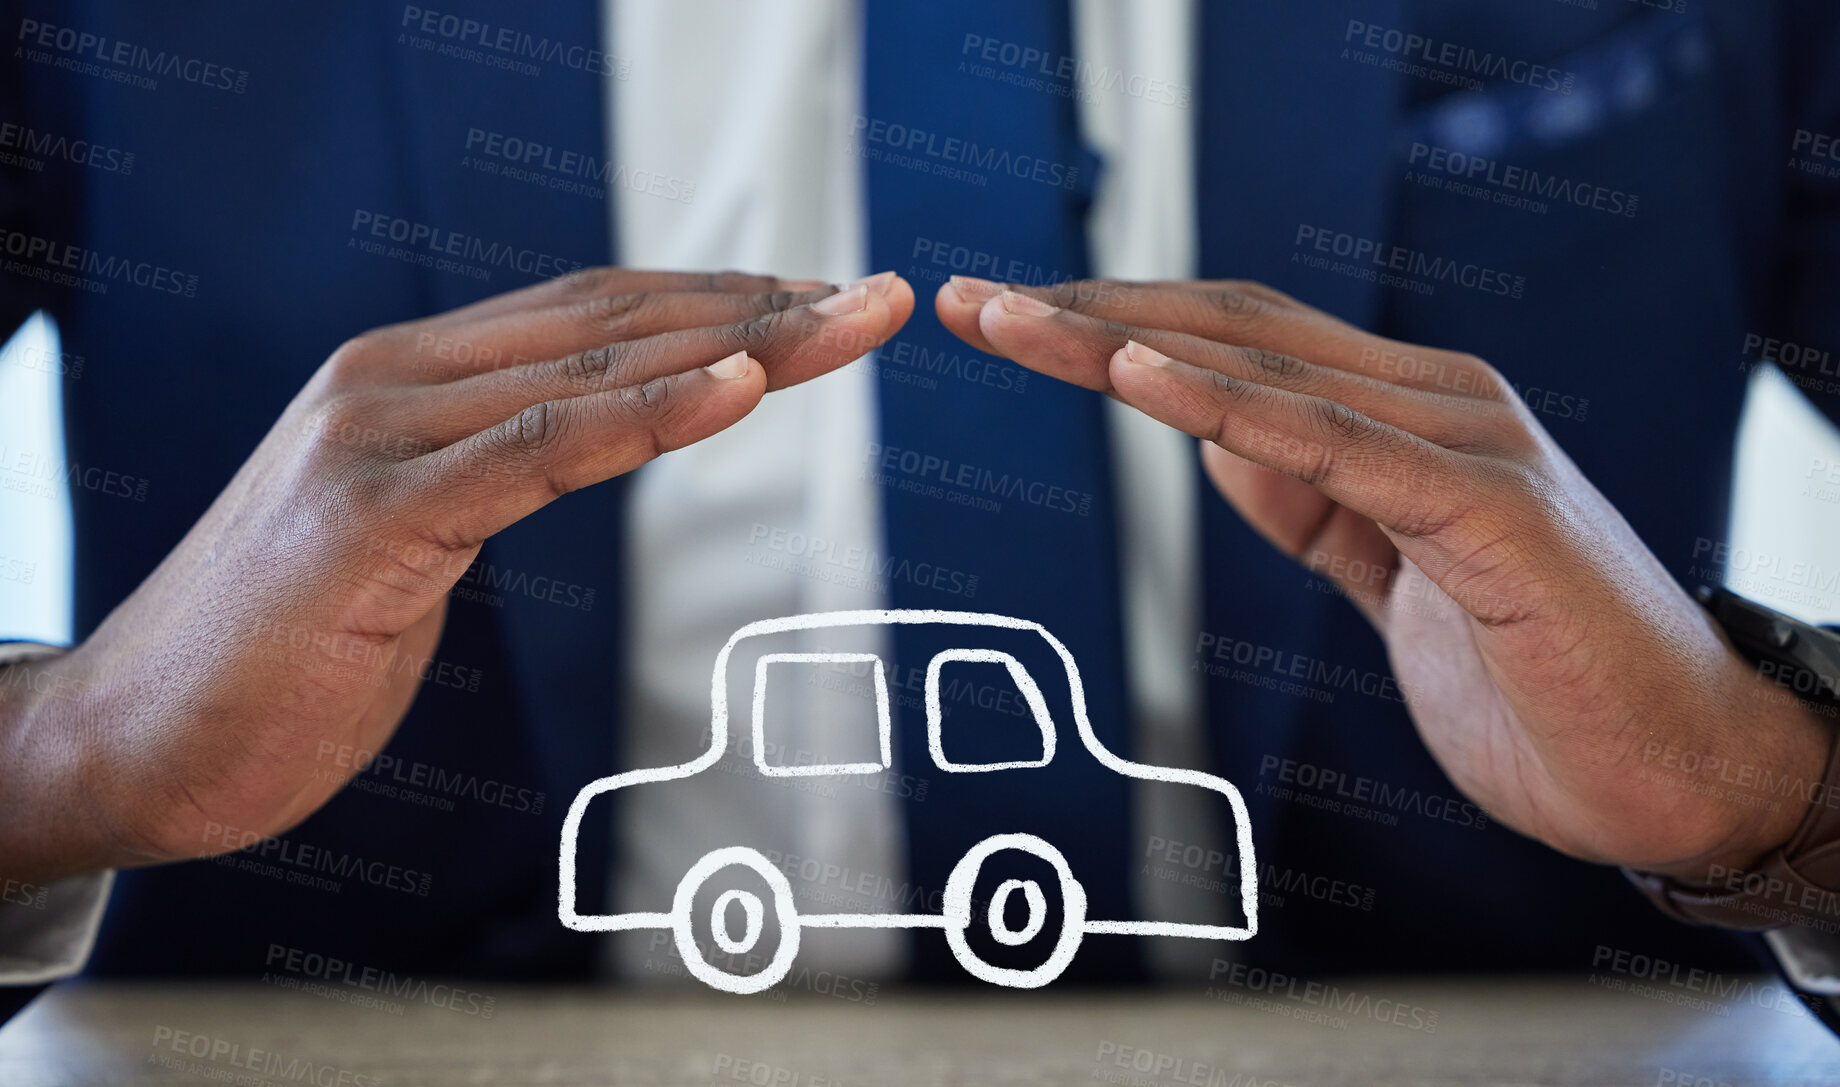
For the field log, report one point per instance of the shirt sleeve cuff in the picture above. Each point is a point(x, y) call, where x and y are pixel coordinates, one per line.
point(13, 652)
point(47, 930)
point(1809, 957)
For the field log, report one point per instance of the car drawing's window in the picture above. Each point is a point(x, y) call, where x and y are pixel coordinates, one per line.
point(775, 759)
point(943, 690)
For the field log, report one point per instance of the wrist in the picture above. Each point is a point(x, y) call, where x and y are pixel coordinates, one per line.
point(57, 823)
point(1764, 789)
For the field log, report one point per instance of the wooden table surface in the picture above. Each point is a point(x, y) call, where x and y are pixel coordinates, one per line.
point(1367, 1033)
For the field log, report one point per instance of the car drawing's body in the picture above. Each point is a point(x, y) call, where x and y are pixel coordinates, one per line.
point(956, 917)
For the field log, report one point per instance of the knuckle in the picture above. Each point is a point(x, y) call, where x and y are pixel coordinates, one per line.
point(351, 360)
point(1120, 331)
point(1087, 295)
point(753, 331)
point(1260, 292)
point(732, 281)
point(779, 301)
point(1272, 363)
point(593, 367)
point(1426, 521)
point(1071, 293)
point(598, 280)
point(648, 400)
point(339, 414)
point(1238, 305)
point(532, 433)
point(1228, 387)
point(1489, 381)
point(1342, 421)
point(612, 314)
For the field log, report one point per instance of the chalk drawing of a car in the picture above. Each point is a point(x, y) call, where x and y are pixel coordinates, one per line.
point(956, 918)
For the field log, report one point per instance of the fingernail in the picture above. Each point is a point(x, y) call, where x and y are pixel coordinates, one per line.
point(730, 368)
point(803, 284)
point(879, 282)
point(972, 289)
point(1144, 356)
point(1023, 306)
point(849, 300)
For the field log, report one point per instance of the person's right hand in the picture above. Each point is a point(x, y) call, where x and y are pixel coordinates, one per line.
point(307, 602)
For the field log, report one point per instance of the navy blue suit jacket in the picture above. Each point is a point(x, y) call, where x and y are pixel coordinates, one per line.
point(1625, 306)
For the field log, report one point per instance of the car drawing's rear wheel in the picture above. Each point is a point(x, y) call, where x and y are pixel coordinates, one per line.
point(959, 913)
point(683, 921)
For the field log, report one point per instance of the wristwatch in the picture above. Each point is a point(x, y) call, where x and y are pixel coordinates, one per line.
point(1798, 884)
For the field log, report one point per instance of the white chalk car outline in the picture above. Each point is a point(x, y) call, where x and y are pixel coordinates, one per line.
point(956, 916)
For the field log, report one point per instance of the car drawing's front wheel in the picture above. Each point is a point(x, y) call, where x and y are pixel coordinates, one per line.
point(959, 914)
point(683, 923)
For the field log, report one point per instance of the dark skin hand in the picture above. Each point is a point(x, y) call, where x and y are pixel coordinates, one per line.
point(1543, 649)
point(305, 605)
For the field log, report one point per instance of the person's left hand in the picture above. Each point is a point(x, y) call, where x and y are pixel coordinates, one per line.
point(1544, 651)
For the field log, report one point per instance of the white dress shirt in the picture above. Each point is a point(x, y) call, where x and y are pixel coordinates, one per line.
point(754, 103)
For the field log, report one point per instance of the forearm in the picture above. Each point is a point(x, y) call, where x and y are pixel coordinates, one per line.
point(56, 822)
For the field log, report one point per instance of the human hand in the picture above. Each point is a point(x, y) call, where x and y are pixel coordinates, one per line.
point(305, 605)
point(1544, 651)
